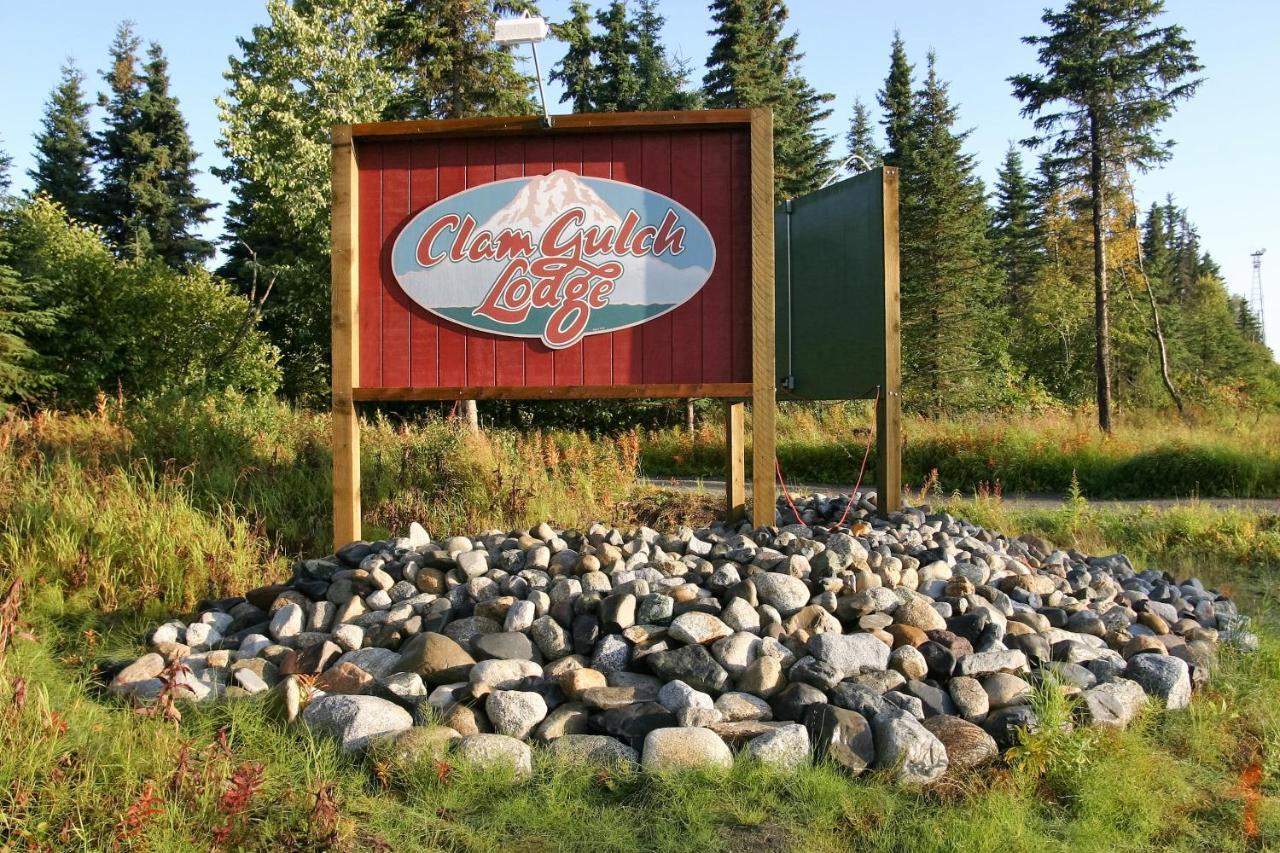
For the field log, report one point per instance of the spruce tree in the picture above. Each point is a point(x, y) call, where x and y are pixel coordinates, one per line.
point(1111, 75)
point(64, 155)
point(6, 163)
point(168, 206)
point(753, 64)
point(1013, 228)
point(897, 99)
point(147, 203)
point(953, 335)
point(861, 138)
point(663, 79)
point(456, 68)
point(118, 147)
point(617, 86)
point(577, 70)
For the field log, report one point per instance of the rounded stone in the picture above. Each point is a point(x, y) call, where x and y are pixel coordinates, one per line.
point(354, 720)
point(695, 628)
point(683, 748)
point(967, 745)
point(919, 613)
point(1004, 690)
point(515, 712)
point(784, 592)
point(496, 752)
point(785, 748)
point(908, 661)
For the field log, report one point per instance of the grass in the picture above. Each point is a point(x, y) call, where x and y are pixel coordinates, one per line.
point(1151, 455)
point(118, 519)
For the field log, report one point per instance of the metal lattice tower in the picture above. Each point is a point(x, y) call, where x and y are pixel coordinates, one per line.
point(1255, 293)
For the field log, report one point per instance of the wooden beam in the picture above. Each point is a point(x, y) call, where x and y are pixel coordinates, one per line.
point(720, 390)
point(889, 409)
point(575, 123)
point(735, 481)
point(345, 307)
point(763, 364)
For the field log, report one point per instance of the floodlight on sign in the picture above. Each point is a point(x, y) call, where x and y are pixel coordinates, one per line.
point(527, 29)
point(524, 30)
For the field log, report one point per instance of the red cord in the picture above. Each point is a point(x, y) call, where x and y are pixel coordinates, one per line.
point(862, 470)
point(777, 466)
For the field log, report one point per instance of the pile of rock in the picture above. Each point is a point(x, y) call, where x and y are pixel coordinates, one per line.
point(911, 644)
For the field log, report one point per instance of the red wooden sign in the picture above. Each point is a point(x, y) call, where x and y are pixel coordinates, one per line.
point(623, 255)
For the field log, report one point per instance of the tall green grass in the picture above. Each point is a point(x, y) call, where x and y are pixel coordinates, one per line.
point(1233, 454)
point(118, 519)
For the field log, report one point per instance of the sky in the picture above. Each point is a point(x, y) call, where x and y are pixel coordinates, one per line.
point(1222, 169)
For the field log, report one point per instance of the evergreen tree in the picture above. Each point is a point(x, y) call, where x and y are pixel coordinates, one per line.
point(6, 163)
point(64, 155)
point(1111, 77)
point(752, 64)
point(897, 99)
point(23, 372)
point(1013, 228)
point(861, 137)
point(617, 87)
point(117, 147)
point(148, 202)
point(577, 70)
point(954, 346)
point(663, 80)
point(456, 69)
point(168, 206)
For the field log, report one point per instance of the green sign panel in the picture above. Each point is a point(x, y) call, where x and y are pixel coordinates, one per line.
point(837, 290)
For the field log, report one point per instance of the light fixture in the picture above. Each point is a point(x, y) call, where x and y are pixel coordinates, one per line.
point(527, 29)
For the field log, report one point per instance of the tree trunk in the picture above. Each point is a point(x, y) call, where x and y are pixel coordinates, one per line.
point(1101, 318)
point(689, 419)
point(471, 414)
point(1156, 329)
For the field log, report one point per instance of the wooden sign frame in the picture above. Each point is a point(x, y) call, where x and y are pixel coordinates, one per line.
point(346, 145)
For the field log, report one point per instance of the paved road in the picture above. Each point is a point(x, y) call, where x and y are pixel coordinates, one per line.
point(715, 485)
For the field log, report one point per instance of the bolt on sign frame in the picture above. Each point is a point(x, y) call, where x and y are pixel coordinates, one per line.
point(839, 329)
point(389, 344)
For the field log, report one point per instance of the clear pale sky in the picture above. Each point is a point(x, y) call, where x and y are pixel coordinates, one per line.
point(1223, 166)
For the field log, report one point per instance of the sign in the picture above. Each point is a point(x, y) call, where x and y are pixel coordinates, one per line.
point(623, 256)
point(553, 257)
point(837, 314)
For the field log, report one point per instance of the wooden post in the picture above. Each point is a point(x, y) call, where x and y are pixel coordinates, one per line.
point(763, 366)
point(346, 339)
point(889, 409)
point(735, 480)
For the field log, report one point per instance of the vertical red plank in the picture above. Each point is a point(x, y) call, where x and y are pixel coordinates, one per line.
point(395, 304)
point(740, 309)
point(597, 350)
point(567, 363)
point(509, 352)
point(656, 172)
point(717, 343)
point(452, 178)
point(686, 321)
point(424, 329)
point(539, 360)
point(628, 344)
point(370, 234)
point(480, 347)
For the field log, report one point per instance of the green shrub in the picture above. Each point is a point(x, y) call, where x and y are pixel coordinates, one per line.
point(130, 325)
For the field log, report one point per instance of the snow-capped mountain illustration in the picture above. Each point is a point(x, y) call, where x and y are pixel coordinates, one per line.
point(547, 196)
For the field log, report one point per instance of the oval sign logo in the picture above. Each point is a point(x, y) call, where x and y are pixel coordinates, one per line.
point(554, 257)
